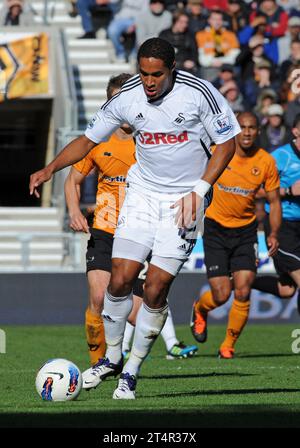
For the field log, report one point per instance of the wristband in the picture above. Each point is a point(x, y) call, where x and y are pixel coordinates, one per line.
point(201, 188)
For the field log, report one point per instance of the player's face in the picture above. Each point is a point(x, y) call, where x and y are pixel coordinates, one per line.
point(155, 76)
point(246, 139)
point(216, 20)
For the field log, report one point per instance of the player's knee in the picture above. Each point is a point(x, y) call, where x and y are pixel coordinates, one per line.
point(242, 294)
point(286, 291)
point(120, 284)
point(221, 295)
point(121, 280)
point(155, 293)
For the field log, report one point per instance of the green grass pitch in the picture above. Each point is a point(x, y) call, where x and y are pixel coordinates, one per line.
point(259, 388)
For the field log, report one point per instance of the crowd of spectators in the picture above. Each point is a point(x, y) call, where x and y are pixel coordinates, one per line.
point(249, 50)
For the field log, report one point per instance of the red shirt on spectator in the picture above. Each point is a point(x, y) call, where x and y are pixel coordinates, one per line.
point(215, 4)
point(276, 24)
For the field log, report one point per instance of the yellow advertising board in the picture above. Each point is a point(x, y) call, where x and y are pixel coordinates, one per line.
point(24, 67)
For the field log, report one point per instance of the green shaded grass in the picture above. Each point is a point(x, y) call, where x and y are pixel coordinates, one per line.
point(260, 387)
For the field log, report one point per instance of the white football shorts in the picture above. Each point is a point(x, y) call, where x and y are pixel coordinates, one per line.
point(147, 221)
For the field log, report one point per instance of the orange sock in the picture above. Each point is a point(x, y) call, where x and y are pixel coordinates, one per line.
point(237, 319)
point(94, 330)
point(206, 302)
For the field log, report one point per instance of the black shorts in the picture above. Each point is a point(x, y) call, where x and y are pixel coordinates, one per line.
point(287, 258)
point(98, 257)
point(228, 250)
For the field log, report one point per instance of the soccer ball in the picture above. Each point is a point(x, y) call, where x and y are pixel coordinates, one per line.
point(58, 380)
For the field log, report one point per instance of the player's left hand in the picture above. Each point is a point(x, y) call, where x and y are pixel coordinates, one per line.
point(273, 245)
point(188, 210)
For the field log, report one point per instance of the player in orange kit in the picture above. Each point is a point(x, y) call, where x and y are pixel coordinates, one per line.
point(230, 236)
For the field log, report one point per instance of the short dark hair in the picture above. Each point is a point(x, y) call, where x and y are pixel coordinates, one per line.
point(159, 49)
point(252, 114)
point(295, 41)
point(296, 121)
point(116, 82)
point(216, 11)
point(177, 14)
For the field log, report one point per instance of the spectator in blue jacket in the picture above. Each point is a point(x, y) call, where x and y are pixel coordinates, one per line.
point(84, 9)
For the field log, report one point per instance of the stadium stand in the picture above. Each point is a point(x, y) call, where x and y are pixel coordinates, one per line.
point(34, 238)
point(92, 60)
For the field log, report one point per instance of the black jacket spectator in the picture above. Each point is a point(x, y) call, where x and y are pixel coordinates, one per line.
point(197, 15)
point(236, 15)
point(251, 55)
point(183, 41)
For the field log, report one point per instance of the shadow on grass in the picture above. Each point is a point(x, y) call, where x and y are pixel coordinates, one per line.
point(267, 355)
point(195, 375)
point(225, 392)
point(238, 416)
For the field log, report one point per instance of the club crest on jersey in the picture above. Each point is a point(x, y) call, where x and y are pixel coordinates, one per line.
point(255, 171)
point(222, 125)
point(121, 221)
point(179, 120)
point(156, 138)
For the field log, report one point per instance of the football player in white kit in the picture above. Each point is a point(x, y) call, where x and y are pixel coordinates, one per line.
point(175, 117)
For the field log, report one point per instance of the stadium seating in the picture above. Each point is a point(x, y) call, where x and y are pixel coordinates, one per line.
point(34, 238)
point(93, 60)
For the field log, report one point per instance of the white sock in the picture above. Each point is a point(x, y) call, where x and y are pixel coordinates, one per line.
point(149, 323)
point(115, 313)
point(168, 332)
point(129, 330)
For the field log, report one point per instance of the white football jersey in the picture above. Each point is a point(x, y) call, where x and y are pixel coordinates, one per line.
point(173, 134)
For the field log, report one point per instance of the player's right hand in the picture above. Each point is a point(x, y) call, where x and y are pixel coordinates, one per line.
point(273, 244)
point(37, 179)
point(79, 223)
point(189, 207)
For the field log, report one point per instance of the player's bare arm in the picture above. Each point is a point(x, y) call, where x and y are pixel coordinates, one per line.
point(71, 153)
point(219, 161)
point(190, 204)
point(273, 197)
point(77, 221)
